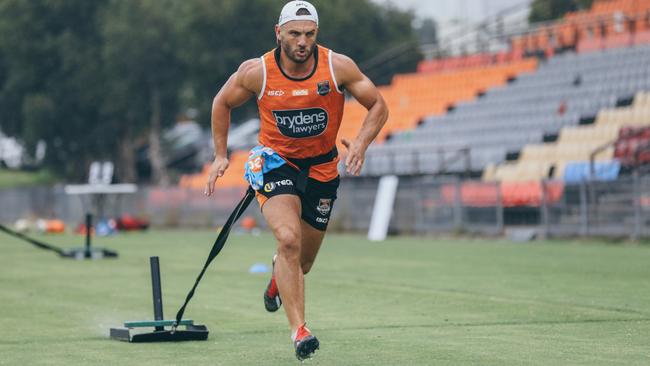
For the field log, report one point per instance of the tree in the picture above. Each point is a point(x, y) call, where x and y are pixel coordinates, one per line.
point(217, 37)
point(144, 74)
point(543, 10)
point(49, 56)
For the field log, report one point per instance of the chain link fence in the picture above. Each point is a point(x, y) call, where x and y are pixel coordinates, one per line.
point(614, 209)
point(423, 205)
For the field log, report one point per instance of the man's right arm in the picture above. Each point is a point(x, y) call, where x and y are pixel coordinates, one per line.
point(240, 87)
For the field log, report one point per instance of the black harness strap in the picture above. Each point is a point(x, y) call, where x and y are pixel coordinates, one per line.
point(305, 164)
point(35, 242)
point(217, 246)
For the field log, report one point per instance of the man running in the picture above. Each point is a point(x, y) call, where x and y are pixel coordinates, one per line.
point(299, 87)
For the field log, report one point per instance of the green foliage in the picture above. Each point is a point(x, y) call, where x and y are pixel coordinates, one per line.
point(542, 10)
point(140, 55)
point(52, 81)
point(217, 38)
point(144, 73)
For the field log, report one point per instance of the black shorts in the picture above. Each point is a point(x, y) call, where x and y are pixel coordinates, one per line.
point(317, 202)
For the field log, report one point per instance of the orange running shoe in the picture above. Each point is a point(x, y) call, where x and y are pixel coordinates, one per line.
point(305, 343)
point(272, 299)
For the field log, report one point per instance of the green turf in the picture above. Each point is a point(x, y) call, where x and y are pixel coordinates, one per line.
point(13, 178)
point(408, 301)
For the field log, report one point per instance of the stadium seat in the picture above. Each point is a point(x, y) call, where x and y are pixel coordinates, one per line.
point(473, 194)
point(516, 194)
point(234, 176)
point(580, 171)
point(632, 145)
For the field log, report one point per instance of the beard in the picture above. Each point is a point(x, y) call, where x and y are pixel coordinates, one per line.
point(290, 52)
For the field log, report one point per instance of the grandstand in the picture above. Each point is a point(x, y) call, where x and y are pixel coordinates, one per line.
point(577, 146)
point(566, 141)
point(595, 70)
point(560, 93)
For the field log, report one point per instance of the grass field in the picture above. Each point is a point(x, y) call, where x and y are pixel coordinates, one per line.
point(408, 301)
point(13, 178)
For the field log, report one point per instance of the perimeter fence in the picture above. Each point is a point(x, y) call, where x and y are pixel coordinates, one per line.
point(423, 205)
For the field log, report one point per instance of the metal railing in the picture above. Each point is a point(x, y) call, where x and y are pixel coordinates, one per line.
point(418, 161)
point(433, 205)
point(424, 204)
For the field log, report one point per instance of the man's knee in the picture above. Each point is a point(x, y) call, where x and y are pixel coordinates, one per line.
point(288, 242)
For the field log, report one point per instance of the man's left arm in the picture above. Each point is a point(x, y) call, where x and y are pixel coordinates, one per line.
point(365, 92)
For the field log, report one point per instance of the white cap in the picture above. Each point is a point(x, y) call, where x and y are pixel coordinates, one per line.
point(290, 10)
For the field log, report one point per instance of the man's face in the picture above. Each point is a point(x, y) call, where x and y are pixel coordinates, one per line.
point(297, 39)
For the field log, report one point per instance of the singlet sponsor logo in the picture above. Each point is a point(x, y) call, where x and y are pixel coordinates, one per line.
point(300, 123)
point(300, 92)
point(275, 93)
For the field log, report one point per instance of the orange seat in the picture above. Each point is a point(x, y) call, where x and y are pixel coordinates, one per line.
point(604, 25)
point(234, 176)
point(530, 193)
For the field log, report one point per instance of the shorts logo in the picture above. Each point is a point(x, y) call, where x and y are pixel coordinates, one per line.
point(256, 164)
point(300, 123)
point(322, 220)
point(275, 93)
point(300, 92)
point(324, 206)
point(271, 186)
point(324, 88)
